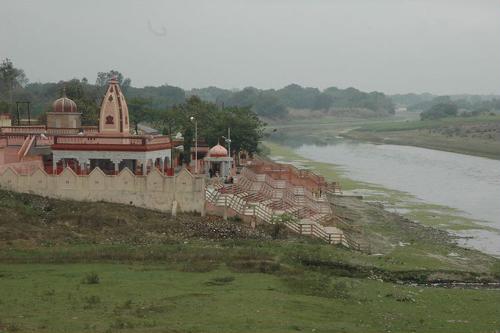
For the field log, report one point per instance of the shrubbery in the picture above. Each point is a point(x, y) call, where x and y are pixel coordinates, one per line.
point(440, 110)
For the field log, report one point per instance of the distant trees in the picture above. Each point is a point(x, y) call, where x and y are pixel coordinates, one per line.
point(465, 105)
point(137, 108)
point(268, 104)
point(440, 110)
point(273, 104)
point(104, 77)
point(87, 98)
point(11, 78)
point(262, 102)
point(298, 97)
point(212, 94)
point(162, 97)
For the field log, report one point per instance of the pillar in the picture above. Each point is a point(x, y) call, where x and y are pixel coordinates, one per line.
point(162, 167)
point(144, 167)
point(116, 162)
point(82, 164)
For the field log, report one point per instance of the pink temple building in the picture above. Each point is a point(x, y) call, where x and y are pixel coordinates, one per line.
point(63, 142)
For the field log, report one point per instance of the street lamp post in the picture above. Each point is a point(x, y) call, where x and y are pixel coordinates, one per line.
point(195, 144)
point(228, 141)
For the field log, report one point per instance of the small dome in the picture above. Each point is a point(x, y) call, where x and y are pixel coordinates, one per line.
point(217, 151)
point(64, 104)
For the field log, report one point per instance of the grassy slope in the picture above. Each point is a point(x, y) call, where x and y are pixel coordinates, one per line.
point(418, 133)
point(162, 274)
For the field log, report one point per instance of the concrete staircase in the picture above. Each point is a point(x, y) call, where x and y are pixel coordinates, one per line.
point(263, 198)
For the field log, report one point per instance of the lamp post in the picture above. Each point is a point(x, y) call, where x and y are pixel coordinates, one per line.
point(195, 143)
point(228, 141)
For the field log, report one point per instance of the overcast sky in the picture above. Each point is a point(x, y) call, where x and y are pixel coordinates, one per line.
point(393, 46)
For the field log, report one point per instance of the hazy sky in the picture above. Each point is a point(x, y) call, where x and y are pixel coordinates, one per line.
point(394, 46)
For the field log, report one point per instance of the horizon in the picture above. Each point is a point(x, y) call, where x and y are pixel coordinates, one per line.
point(92, 82)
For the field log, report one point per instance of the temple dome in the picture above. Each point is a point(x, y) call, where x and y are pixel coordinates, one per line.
point(217, 151)
point(64, 104)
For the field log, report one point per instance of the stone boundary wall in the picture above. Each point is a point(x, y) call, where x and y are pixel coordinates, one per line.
point(24, 167)
point(153, 191)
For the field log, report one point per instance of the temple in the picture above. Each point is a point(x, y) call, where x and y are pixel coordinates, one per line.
point(64, 142)
point(66, 160)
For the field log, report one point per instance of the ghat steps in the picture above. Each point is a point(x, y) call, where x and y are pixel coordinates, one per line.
point(262, 197)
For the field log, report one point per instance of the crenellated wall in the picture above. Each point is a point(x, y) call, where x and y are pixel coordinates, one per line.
point(154, 191)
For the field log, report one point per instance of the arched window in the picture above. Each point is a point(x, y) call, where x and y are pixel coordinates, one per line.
point(109, 120)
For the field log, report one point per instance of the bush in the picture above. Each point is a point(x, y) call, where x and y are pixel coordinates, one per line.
point(278, 224)
point(220, 281)
point(400, 296)
point(121, 324)
point(316, 284)
point(91, 301)
point(91, 278)
point(440, 110)
point(254, 266)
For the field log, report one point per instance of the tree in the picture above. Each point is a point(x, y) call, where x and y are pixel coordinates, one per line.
point(323, 102)
point(137, 111)
point(104, 77)
point(213, 123)
point(11, 78)
point(298, 97)
point(263, 103)
point(440, 110)
point(279, 223)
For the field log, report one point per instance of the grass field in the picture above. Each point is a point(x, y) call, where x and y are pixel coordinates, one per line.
point(76, 267)
point(139, 297)
point(387, 126)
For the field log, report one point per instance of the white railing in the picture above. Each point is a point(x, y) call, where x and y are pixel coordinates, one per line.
point(264, 213)
point(295, 195)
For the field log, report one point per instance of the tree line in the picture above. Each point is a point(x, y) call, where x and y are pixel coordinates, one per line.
point(274, 103)
point(445, 106)
point(269, 104)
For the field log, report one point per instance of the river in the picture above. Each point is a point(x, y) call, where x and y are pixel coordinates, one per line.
point(467, 183)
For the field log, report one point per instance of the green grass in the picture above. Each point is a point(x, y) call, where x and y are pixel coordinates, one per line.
point(387, 126)
point(421, 134)
point(154, 298)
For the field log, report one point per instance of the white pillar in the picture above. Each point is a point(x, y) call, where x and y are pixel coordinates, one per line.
point(116, 162)
point(82, 164)
point(144, 167)
point(162, 168)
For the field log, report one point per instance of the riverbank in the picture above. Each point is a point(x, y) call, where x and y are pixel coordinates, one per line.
point(478, 136)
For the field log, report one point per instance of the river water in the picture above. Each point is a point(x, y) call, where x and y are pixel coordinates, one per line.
point(468, 183)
